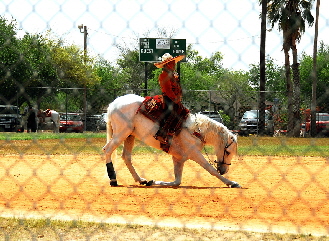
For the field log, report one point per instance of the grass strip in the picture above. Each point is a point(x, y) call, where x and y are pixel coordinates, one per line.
point(92, 143)
point(47, 229)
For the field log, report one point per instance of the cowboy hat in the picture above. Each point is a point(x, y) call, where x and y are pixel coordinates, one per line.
point(166, 58)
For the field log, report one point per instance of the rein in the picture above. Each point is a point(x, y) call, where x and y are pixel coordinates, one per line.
point(225, 152)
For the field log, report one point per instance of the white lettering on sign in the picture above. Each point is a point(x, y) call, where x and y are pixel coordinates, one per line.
point(178, 51)
point(162, 43)
point(145, 44)
point(147, 51)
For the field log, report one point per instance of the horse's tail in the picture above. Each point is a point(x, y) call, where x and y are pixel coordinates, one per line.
point(109, 130)
point(109, 133)
point(55, 118)
point(58, 121)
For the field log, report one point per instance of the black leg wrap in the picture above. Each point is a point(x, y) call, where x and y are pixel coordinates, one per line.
point(110, 171)
point(113, 183)
point(143, 183)
point(150, 183)
point(111, 174)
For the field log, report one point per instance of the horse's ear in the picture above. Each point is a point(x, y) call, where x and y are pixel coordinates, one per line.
point(234, 137)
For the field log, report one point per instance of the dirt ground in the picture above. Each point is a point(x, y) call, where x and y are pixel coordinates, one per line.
point(279, 194)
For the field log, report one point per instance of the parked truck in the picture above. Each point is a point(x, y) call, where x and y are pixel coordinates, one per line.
point(10, 119)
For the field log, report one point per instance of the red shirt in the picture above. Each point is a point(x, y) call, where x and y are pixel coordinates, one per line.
point(169, 83)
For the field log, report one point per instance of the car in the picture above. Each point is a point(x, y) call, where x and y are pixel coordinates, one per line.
point(322, 124)
point(249, 123)
point(213, 115)
point(101, 124)
point(71, 122)
point(11, 119)
point(92, 122)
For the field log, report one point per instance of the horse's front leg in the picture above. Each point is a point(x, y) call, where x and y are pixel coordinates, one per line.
point(199, 158)
point(126, 156)
point(178, 171)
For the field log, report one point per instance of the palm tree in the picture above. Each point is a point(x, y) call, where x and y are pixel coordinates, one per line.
point(291, 17)
point(314, 73)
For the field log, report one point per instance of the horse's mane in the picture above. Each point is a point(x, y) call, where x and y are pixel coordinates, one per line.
point(207, 126)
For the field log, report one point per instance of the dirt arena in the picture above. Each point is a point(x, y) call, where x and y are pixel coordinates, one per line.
point(279, 194)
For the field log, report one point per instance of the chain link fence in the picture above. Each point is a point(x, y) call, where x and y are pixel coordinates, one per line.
point(54, 186)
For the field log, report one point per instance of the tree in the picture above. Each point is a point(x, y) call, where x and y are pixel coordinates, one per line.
point(275, 82)
point(108, 88)
point(71, 67)
point(322, 75)
point(291, 16)
point(132, 69)
point(41, 71)
point(75, 71)
point(234, 90)
point(12, 66)
point(34, 68)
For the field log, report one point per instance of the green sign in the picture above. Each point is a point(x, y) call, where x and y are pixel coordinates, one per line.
point(152, 49)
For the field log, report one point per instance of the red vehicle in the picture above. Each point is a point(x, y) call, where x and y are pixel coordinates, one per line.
point(71, 122)
point(322, 124)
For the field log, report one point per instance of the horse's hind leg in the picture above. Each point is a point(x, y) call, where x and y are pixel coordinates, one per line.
point(108, 149)
point(126, 156)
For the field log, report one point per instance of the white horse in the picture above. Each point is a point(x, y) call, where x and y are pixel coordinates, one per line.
point(49, 120)
point(125, 123)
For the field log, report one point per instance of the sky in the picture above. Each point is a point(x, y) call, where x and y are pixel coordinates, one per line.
point(231, 27)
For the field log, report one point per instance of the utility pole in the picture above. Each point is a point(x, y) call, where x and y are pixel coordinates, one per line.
point(262, 71)
point(85, 33)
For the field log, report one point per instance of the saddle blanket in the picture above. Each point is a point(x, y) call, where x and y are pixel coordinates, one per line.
point(153, 107)
point(48, 113)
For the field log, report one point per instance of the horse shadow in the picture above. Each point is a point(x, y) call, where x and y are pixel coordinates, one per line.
point(178, 187)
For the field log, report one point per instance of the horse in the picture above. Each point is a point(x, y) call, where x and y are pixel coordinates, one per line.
point(49, 120)
point(125, 123)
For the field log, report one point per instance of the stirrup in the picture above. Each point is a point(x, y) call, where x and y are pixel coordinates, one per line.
point(161, 136)
point(161, 139)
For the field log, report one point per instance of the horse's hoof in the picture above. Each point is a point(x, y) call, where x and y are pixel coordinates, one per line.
point(235, 185)
point(143, 182)
point(150, 183)
point(113, 183)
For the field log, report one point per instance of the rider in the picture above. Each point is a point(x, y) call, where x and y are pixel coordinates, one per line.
point(32, 124)
point(172, 95)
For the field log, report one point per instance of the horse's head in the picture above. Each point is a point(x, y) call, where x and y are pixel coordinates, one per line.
point(217, 135)
point(40, 113)
point(226, 153)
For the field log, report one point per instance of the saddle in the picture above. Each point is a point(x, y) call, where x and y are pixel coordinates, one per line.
point(48, 113)
point(153, 108)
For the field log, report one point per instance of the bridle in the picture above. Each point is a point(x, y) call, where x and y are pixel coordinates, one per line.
point(216, 163)
point(225, 153)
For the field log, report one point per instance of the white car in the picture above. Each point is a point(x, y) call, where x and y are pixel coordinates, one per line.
point(250, 121)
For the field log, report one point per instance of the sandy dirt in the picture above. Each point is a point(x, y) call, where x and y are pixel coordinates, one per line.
point(279, 194)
